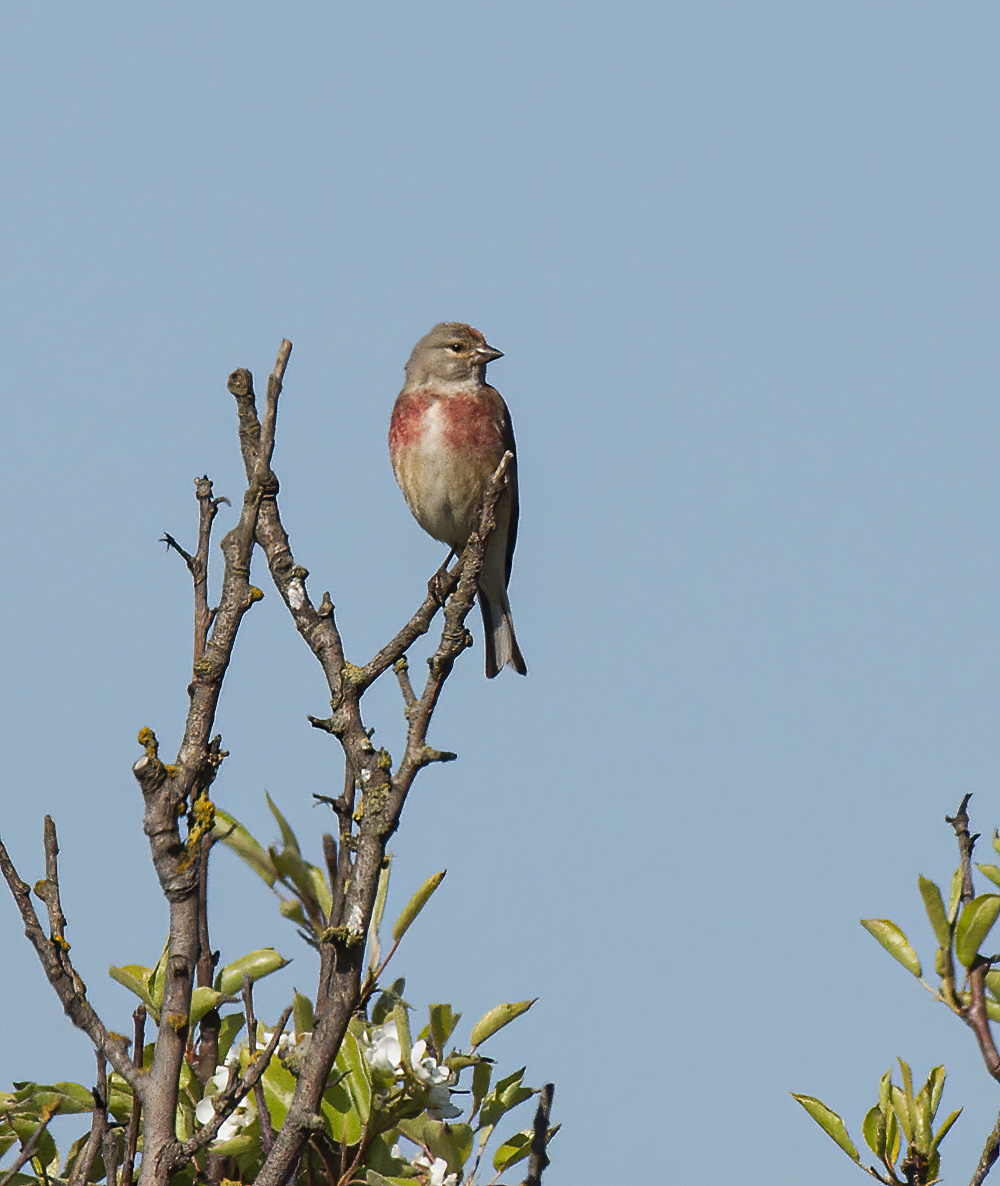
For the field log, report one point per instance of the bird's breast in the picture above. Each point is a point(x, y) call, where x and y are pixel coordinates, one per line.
point(444, 450)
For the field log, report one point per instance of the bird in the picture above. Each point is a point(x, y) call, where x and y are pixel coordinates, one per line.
point(448, 433)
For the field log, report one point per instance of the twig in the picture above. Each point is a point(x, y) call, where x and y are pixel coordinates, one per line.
point(226, 1100)
point(132, 1138)
point(974, 1014)
point(263, 1115)
point(538, 1158)
point(990, 1154)
point(28, 1150)
point(197, 564)
point(98, 1127)
point(72, 992)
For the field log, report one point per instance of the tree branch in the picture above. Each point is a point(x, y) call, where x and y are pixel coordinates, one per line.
point(538, 1159)
point(169, 792)
point(53, 954)
point(974, 1014)
point(359, 854)
point(98, 1127)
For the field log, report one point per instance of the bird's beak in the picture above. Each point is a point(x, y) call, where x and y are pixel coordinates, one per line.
point(488, 354)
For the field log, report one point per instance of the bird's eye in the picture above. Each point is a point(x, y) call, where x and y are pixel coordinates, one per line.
point(456, 346)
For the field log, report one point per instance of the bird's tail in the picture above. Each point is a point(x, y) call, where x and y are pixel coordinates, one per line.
point(501, 644)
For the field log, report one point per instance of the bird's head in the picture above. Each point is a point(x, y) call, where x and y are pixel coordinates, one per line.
point(451, 353)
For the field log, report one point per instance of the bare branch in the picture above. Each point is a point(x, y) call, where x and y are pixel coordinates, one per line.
point(989, 1156)
point(171, 791)
point(538, 1159)
point(263, 1115)
point(132, 1138)
point(28, 1151)
point(53, 954)
point(98, 1127)
point(974, 1014)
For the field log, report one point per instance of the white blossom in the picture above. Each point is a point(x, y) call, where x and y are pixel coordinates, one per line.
point(384, 1052)
point(438, 1170)
point(240, 1117)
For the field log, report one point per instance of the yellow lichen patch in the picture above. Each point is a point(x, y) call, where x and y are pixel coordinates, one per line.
point(350, 673)
point(383, 759)
point(60, 942)
point(147, 739)
point(203, 810)
point(171, 771)
point(256, 594)
point(178, 1022)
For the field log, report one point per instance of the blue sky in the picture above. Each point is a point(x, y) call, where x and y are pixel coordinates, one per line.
point(742, 260)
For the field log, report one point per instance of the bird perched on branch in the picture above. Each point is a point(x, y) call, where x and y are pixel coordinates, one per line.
point(449, 432)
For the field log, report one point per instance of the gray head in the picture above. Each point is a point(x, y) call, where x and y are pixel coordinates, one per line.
point(452, 353)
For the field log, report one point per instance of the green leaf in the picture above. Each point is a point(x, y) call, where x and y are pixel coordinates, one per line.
point(204, 999)
point(346, 1104)
point(942, 1132)
point(894, 941)
point(233, 835)
point(374, 944)
point(892, 1139)
point(907, 1077)
point(901, 1107)
point(885, 1093)
point(512, 1150)
point(158, 978)
point(402, 1020)
point(496, 1019)
point(935, 1085)
point(922, 1119)
point(387, 1000)
point(232, 1023)
point(287, 835)
point(279, 1088)
point(292, 908)
point(873, 1130)
point(934, 905)
point(321, 890)
point(416, 904)
point(302, 1014)
point(293, 870)
point(990, 871)
point(933, 1167)
point(507, 1094)
point(992, 979)
point(955, 897)
point(480, 1084)
point(255, 964)
point(443, 1022)
point(829, 1122)
point(134, 977)
point(974, 924)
